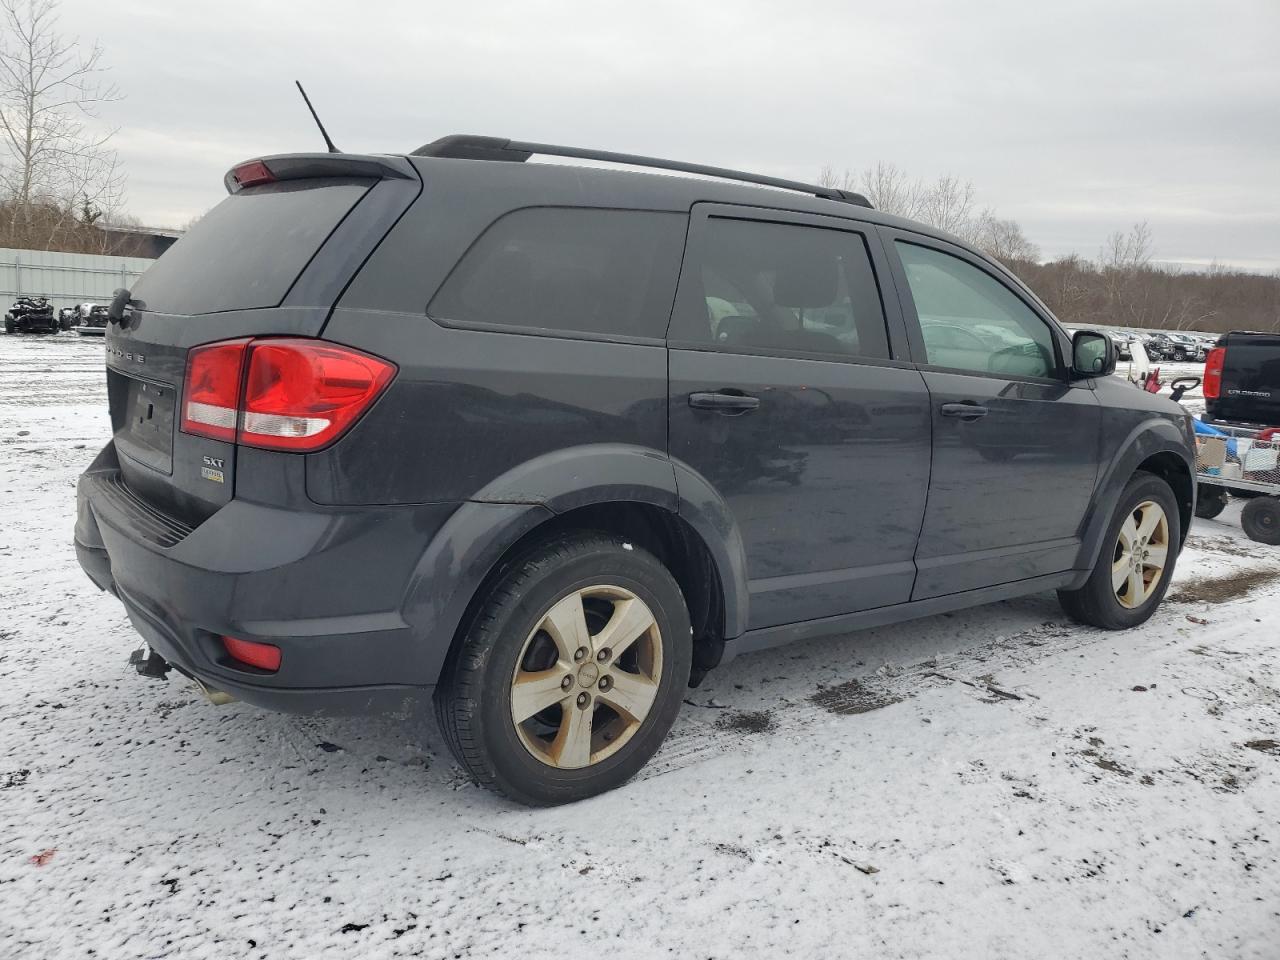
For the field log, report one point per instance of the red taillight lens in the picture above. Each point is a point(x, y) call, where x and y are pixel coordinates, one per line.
point(1213, 365)
point(264, 656)
point(301, 394)
point(252, 173)
point(279, 394)
point(211, 400)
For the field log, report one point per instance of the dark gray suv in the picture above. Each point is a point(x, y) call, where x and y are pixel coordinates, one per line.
point(547, 443)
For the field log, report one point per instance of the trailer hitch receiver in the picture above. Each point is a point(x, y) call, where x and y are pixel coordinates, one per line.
point(148, 663)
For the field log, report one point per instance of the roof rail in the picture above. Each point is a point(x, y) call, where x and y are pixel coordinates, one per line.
point(462, 146)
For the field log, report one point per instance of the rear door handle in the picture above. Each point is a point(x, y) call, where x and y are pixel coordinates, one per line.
point(964, 411)
point(723, 402)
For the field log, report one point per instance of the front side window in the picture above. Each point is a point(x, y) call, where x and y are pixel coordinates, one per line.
point(776, 287)
point(971, 321)
point(569, 270)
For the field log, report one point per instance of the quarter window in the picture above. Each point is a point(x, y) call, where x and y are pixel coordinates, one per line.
point(971, 321)
point(569, 270)
point(776, 287)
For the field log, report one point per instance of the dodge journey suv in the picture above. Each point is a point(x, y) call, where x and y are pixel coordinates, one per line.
point(545, 443)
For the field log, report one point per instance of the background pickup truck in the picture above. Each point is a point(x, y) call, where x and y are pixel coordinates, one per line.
point(1242, 380)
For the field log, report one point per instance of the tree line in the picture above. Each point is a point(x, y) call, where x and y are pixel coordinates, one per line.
point(60, 179)
point(1122, 287)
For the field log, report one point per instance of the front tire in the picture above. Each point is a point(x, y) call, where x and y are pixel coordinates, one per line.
point(570, 673)
point(1136, 561)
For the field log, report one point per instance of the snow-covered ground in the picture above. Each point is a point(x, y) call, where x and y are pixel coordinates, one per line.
point(994, 783)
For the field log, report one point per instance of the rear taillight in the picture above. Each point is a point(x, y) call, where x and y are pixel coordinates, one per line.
point(211, 395)
point(1213, 365)
point(264, 656)
point(301, 394)
point(252, 173)
point(279, 394)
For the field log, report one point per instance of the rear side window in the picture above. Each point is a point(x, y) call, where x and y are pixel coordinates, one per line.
point(607, 273)
point(776, 287)
point(246, 252)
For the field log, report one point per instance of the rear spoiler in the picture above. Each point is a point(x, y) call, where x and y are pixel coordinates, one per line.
point(303, 166)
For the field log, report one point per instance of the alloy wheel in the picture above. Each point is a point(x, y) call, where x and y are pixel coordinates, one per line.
point(587, 677)
point(1141, 553)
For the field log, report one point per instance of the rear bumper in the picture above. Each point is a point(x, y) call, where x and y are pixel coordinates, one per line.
point(324, 585)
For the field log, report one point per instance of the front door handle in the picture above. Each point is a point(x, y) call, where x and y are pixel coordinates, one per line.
point(723, 402)
point(964, 411)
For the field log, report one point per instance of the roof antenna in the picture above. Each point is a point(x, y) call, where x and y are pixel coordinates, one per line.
point(323, 132)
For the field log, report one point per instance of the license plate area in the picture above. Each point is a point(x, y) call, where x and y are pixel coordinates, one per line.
point(142, 414)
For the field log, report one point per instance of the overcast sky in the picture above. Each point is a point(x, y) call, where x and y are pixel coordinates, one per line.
point(1075, 118)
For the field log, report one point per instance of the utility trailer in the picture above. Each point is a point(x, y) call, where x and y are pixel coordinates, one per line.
point(1244, 464)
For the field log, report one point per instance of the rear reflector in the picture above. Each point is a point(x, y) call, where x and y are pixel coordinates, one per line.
point(264, 656)
point(280, 393)
point(1213, 364)
point(252, 173)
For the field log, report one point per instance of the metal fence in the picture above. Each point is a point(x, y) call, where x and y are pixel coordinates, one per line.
point(65, 278)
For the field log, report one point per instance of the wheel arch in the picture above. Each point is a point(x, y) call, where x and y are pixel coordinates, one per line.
point(628, 491)
point(1156, 446)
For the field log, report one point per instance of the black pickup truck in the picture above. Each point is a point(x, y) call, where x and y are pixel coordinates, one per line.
point(1242, 380)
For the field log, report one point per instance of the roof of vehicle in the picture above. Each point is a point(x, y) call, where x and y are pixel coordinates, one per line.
point(575, 184)
point(612, 186)
point(658, 190)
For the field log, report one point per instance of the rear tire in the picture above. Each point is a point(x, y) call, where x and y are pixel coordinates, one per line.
point(1211, 501)
point(1261, 520)
point(526, 633)
point(1136, 561)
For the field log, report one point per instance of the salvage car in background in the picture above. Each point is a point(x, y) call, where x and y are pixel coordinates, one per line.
point(93, 319)
point(31, 315)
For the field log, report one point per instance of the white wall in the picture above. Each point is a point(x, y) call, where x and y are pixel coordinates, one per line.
point(65, 278)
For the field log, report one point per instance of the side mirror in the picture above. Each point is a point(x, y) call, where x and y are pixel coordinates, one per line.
point(1092, 354)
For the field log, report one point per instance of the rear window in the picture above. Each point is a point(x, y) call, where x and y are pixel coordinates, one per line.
point(247, 251)
point(1253, 365)
point(608, 273)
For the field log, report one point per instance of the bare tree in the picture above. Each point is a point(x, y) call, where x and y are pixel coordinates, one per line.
point(948, 205)
point(1128, 252)
point(827, 177)
point(886, 185)
point(50, 89)
point(891, 190)
point(1125, 263)
point(1002, 238)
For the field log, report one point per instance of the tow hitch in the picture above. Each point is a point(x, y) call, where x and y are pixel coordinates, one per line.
point(149, 663)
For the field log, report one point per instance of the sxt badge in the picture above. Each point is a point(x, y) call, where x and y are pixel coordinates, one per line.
point(212, 470)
